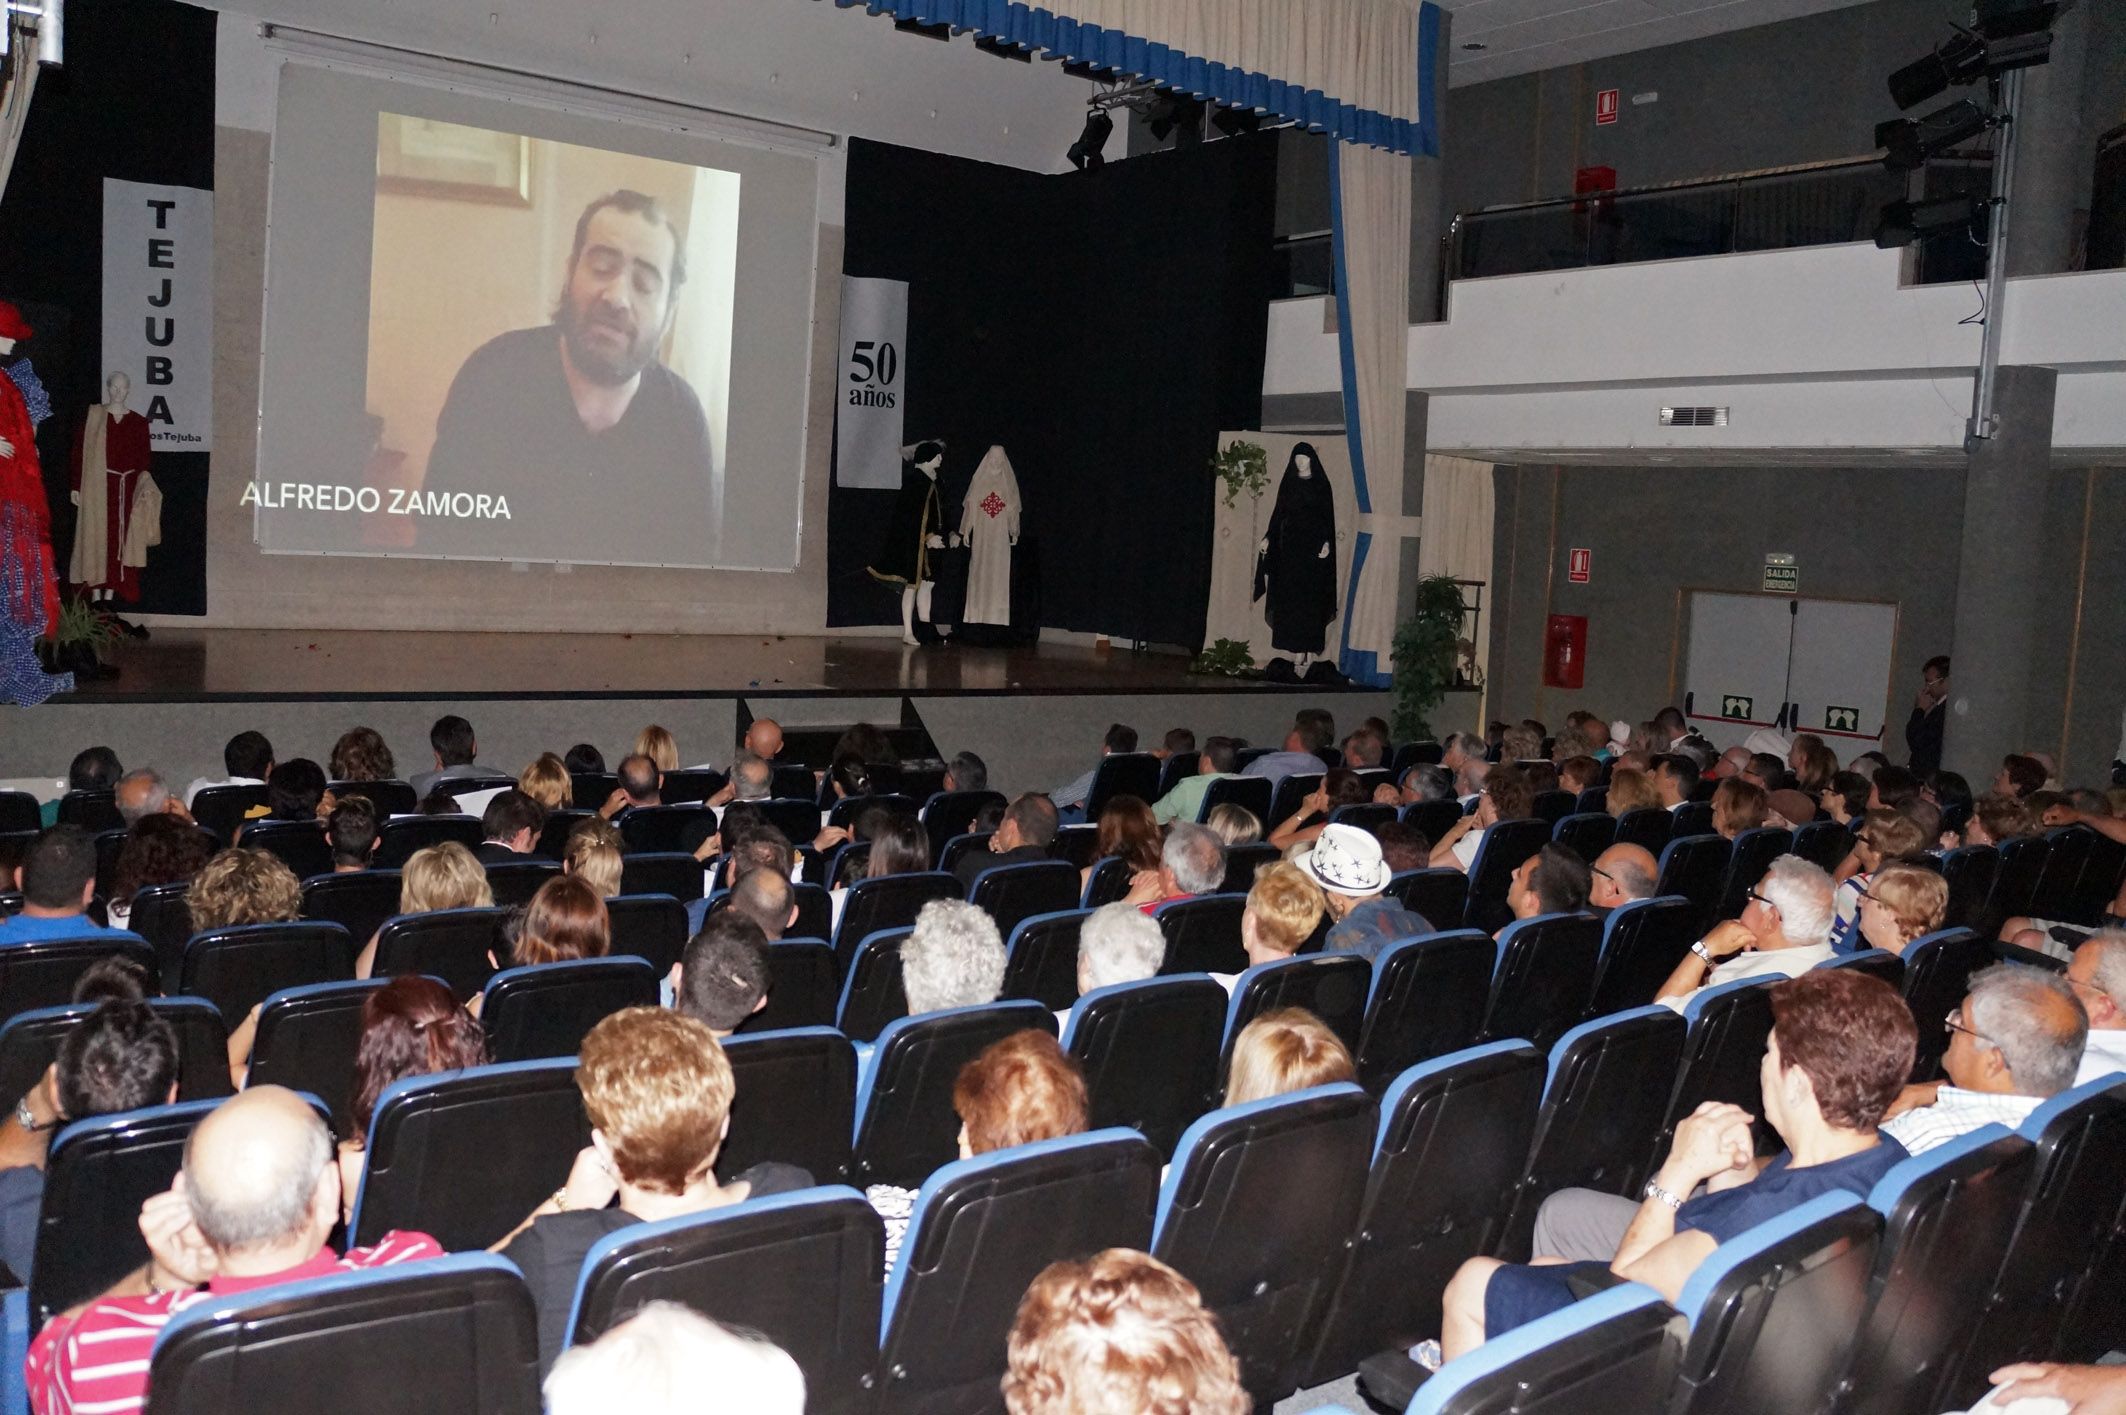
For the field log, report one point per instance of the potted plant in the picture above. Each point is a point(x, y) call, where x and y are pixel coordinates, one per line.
point(82, 633)
point(1242, 467)
point(1427, 654)
point(1229, 658)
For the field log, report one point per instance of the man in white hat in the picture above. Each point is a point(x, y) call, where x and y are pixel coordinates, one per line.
point(1346, 862)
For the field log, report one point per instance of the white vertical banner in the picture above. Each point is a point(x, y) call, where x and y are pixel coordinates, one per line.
point(158, 307)
point(873, 383)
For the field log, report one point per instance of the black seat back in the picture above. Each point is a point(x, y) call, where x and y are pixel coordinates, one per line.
point(29, 1043)
point(222, 809)
point(1439, 897)
point(1428, 1000)
point(1078, 844)
point(1411, 754)
point(21, 815)
point(1586, 833)
point(1109, 882)
point(1150, 1052)
point(93, 811)
point(514, 882)
point(1203, 934)
point(795, 1101)
point(307, 1040)
point(1642, 942)
point(1875, 962)
point(1695, 866)
point(1729, 1027)
point(358, 902)
point(161, 916)
point(800, 1269)
point(951, 813)
point(547, 1009)
point(1241, 863)
point(687, 785)
point(400, 836)
point(1251, 793)
point(1605, 1101)
point(391, 798)
point(1176, 769)
point(43, 974)
point(1752, 853)
point(588, 790)
point(1289, 795)
point(848, 810)
point(802, 987)
point(238, 968)
point(1969, 872)
point(1824, 844)
point(906, 1126)
point(300, 845)
point(2015, 881)
point(1553, 806)
point(673, 872)
point(451, 944)
point(1257, 1210)
point(1649, 827)
point(873, 996)
point(1454, 1139)
point(981, 1232)
point(889, 902)
point(1122, 774)
point(1434, 818)
point(1011, 893)
point(1546, 974)
point(798, 820)
point(553, 836)
point(2056, 895)
point(959, 847)
point(653, 829)
point(1504, 847)
point(1332, 986)
point(652, 927)
point(517, 1126)
point(1938, 971)
point(1041, 959)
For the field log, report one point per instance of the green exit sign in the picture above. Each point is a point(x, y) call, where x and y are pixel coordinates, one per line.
point(1735, 708)
point(1782, 579)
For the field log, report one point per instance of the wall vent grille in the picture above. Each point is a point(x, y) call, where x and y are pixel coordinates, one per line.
point(1694, 417)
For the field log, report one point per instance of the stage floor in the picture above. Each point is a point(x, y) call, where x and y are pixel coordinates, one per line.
point(236, 665)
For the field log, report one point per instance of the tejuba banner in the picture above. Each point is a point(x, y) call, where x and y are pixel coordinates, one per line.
point(158, 307)
point(872, 383)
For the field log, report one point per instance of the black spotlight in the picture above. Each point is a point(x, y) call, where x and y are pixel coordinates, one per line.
point(2005, 19)
point(1910, 142)
point(1235, 121)
point(1085, 152)
point(1957, 60)
point(1171, 112)
point(1904, 222)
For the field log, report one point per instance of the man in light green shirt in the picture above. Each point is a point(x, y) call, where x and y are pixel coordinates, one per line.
point(1186, 799)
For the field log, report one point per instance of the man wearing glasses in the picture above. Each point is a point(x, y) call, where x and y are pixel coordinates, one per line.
point(1784, 931)
point(2014, 1042)
point(2098, 977)
point(1622, 874)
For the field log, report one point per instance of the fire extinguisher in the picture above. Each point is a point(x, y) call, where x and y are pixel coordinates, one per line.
point(1565, 651)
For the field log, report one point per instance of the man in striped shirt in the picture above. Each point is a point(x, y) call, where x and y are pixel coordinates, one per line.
point(2015, 1042)
point(257, 1197)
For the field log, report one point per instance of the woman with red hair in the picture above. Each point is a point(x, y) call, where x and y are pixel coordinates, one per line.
point(411, 1026)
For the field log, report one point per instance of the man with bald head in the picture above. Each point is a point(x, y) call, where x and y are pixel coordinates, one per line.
point(257, 1197)
point(1623, 873)
point(764, 738)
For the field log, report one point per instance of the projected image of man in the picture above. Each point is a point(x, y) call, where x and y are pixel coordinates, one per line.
point(602, 452)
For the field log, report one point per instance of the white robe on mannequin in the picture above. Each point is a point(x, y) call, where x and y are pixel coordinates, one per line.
point(989, 526)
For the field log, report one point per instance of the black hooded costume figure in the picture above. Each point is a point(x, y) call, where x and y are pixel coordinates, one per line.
point(905, 557)
point(1297, 564)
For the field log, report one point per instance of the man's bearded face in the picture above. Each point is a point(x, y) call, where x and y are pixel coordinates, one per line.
point(618, 302)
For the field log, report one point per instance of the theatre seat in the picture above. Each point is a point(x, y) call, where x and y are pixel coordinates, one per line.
point(391, 798)
point(1938, 971)
point(802, 987)
point(161, 916)
point(29, 1043)
point(518, 1127)
point(1502, 850)
point(1041, 959)
point(1251, 793)
point(1586, 834)
point(307, 1039)
point(1078, 844)
point(514, 883)
point(547, 1009)
point(1695, 816)
point(400, 836)
point(1695, 866)
point(1877, 963)
point(1121, 774)
point(1969, 871)
point(1594, 800)
point(1649, 827)
point(300, 845)
point(451, 944)
point(959, 847)
point(93, 811)
point(1331, 986)
point(794, 1101)
point(981, 1231)
point(797, 819)
point(553, 836)
point(652, 927)
point(589, 790)
point(1176, 769)
point(1150, 1053)
point(1439, 897)
point(1286, 798)
point(689, 785)
point(1947, 1217)
point(1411, 754)
point(889, 902)
point(1242, 862)
point(1551, 807)
point(905, 1124)
point(1774, 1311)
point(951, 813)
point(1824, 844)
point(1453, 1140)
point(1546, 973)
point(358, 902)
point(20, 814)
point(1434, 818)
point(1752, 853)
point(873, 996)
point(801, 1269)
point(850, 809)
point(673, 872)
point(1722, 1053)
point(1365, 815)
point(238, 968)
point(1427, 1000)
point(1256, 1211)
point(1607, 1355)
point(1010, 893)
point(1108, 883)
point(2057, 894)
point(1203, 934)
point(1642, 942)
point(654, 829)
point(2015, 881)
point(459, 1332)
point(1602, 1106)
point(221, 809)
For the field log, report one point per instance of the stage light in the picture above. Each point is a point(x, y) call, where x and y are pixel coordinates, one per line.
point(2005, 35)
point(1909, 142)
point(1172, 112)
point(1085, 152)
point(2005, 19)
point(1958, 60)
point(1904, 222)
point(1235, 121)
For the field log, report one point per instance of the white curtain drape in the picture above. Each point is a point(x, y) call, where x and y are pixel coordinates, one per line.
point(1459, 501)
point(1370, 189)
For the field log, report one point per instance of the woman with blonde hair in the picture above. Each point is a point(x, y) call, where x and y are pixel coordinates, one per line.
point(1630, 790)
point(240, 886)
point(1284, 1051)
point(1234, 824)
point(445, 876)
point(657, 744)
point(546, 781)
point(1901, 904)
point(592, 854)
point(1119, 1333)
point(1738, 805)
point(1813, 763)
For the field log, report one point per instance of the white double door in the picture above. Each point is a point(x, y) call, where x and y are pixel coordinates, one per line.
point(1792, 664)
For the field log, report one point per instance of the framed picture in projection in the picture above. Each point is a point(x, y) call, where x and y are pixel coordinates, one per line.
point(425, 157)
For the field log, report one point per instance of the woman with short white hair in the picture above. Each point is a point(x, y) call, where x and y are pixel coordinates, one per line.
point(666, 1359)
point(955, 958)
point(1117, 943)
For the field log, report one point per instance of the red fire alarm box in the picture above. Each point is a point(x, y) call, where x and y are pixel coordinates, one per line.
point(1565, 651)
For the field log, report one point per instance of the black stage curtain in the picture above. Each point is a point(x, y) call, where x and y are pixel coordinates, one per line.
point(135, 101)
point(1102, 326)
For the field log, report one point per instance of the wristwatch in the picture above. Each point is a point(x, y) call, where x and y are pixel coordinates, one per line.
point(1702, 951)
point(1655, 1191)
point(27, 1119)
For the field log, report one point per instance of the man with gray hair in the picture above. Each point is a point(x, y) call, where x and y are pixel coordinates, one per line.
point(142, 792)
point(257, 1197)
point(2098, 977)
point(1191, 862)
point(2014, 1042)
point(752, 779)
point(1420, 783)
point(664, 1359)
point(1117, 944)
point(955, 958)
point(1784, 931)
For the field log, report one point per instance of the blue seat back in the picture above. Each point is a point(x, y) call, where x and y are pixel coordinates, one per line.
point(307, 1039)
point(238, 968)
point(463, 1324)
point(689, 785)
point(873, 996)
point(1332, 986)
point(1586, 833)
point(451, 944)
point(1010, 893)
point(514, 882)
point(796, 819)
point(1203, 934)
point(1150, 1052)
point(652, 927)
point(162, 917)
point(889, 902)
point(1649, 827)
point(1078, 844)
point(1605, 1099)
point(358, 902)
point(1501, 851)
point(1875, 962)
point(1177, 768)
point(1545, 975)
point(1122, 774)
point(1041, 958)
point(1241, 863)
point(1642, 942)
point(399, 836)
point(2015, 881)
point(673, 872)
point(1607, 1355)
point(1434, 818)
point(34, 975)
point(801, 1269)
point(1289, 794)
point(1251, 793)
point(518, 1126)
point(1824, 843)
point(1439, 897)
point(803, 989)
point(1774, 1311)
point(1108, 883)
point(1969, 871)
point(1695, 866)
point(29, 1043)
point(794, 1102)
point(1256, 1211)
point(300, 845)
point(548, 1008)
point(1752, 853)
point(1447, 1159)
point(905, 1126)
point(981, 1231)
point(950, 814)
point(1427, 1000)
point(1938, 971)
point(1729, 1027)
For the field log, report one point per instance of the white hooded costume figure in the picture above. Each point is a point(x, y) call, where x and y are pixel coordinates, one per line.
point(989, 528)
